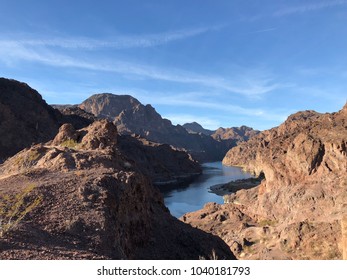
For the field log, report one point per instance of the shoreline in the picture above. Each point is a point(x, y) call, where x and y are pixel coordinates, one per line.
point(234, 186)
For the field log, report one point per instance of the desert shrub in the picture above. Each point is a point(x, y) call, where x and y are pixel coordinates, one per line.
point(69, 144)
point(13, 208)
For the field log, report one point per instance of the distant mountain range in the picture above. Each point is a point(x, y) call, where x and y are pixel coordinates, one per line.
point(132, 117)
point(228, 136)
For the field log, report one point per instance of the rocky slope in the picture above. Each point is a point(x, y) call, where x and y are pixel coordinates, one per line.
point(297, 210)
point(80, 197)
point(25, 118)
point(131, 117)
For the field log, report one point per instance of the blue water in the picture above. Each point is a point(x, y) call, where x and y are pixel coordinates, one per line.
point(195, 195)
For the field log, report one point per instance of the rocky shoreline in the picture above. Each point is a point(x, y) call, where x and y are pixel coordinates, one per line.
point(234, 186)
point(177, 181)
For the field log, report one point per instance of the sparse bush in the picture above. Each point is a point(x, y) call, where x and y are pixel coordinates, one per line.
point(69, 144)
point(13, 208)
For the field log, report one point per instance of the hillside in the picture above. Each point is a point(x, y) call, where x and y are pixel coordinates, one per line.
point(25, 118)
point(80, 197)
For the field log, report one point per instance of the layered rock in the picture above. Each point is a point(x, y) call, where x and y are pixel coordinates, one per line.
point(296, 211)
point(131, 117)
point(90, 203)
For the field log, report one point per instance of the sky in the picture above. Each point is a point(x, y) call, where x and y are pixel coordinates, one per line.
point(222, 63)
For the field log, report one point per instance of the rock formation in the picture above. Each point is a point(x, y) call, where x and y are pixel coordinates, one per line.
point(296, 211)
point(131, 117)
point(80, 197)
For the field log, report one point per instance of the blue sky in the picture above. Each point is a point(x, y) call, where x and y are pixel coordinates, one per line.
point(219, 62)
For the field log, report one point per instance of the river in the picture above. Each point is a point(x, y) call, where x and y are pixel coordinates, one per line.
point(195, 195)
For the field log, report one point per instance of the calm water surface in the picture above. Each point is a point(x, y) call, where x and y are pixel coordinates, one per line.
point(195, 195)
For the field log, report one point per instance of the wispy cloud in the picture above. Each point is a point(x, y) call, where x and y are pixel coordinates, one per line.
point(308, 7)
point(117, 42)
point(203, 100)
point(247, 83)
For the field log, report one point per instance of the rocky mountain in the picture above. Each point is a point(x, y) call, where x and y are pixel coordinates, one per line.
point(230, 137)
point(80, 197)
point(195, 127)
point(297, 211)
point(132, 117)
point(238, 134)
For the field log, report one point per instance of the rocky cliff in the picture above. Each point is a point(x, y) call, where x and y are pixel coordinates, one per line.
point(79, 197)
point(297, 210)
point(131, 117)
